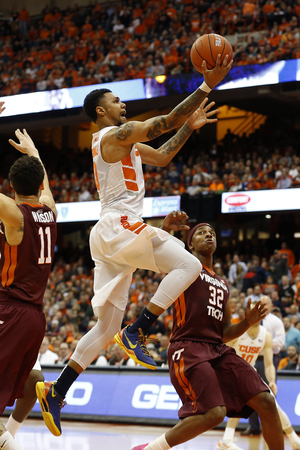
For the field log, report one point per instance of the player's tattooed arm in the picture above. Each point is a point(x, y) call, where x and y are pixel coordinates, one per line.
point(159, 127)
point(182, 111)
point(124, 131)
point(174, 144)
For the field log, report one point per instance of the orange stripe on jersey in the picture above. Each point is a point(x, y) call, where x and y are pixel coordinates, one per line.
point(185, 384)
point(14, 260)
point(95, 151)
point(131, 185)
point(4, 275)
point(127, 161)
point(129, 173)
point(180, 308)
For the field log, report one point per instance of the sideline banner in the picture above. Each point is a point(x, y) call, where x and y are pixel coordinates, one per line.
point(90, 211)
point(261, 201)
point(137, 395)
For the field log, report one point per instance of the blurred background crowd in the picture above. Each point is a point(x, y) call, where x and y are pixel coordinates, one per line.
point(127, 39)
point(267, 159)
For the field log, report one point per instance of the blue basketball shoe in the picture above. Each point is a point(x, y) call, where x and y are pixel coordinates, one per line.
point(134, 344)
point(51, 404)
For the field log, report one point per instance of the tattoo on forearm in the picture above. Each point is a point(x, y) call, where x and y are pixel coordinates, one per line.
point(124, 131)
point(189, 105)
point(159, 127)
point(176, 142)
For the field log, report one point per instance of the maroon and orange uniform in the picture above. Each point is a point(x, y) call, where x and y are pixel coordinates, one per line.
point(24, 272)
point(205, 372)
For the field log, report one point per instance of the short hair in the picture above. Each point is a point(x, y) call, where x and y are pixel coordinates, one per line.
point(26, 175)
point(91, 102)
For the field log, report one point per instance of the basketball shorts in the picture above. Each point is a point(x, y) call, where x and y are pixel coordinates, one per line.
point(209, 375)
point(119, 245)
point(22, 328)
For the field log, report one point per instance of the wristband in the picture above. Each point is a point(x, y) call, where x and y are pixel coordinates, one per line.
point(204, 87)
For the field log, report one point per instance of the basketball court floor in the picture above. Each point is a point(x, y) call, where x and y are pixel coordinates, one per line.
point(34, 435)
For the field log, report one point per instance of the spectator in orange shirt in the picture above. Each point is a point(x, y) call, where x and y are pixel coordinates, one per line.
point(80, 56)
point(87, 30)
point(288, 253)
point(130, 72)
point(23, 20)
point(248, 8)
point(266, 182)
point(171, 11)
point(48, 17)
point(72, 30)
point(216, 184)
point(141, 73)
point(170, 61)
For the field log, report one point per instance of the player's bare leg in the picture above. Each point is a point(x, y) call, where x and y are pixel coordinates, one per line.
point(264, 404)
point(192, 426)
point(187, 429)
point(24, 405)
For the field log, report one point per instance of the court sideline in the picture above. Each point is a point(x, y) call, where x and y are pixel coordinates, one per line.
point(102, 436)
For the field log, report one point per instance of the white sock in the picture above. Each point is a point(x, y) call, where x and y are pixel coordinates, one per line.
point(159, 444)
point(293, 437)
point(228, 434)
point(7, 442)
point(12, 425)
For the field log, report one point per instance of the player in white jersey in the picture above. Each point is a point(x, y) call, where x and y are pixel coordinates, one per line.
point(249, 346)
point(120, 242)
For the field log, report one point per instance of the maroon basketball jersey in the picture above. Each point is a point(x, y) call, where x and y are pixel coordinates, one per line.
point(25, 268)
point(198, 314)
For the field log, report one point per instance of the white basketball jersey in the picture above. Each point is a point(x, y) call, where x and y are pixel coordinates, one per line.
point(120, 185)
point(248, 348)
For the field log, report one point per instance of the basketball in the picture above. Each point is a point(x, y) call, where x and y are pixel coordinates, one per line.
point(208, 47)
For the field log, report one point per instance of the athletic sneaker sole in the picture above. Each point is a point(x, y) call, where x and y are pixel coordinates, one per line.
point(47, 416)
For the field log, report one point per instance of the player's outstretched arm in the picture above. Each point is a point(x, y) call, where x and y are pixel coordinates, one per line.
point(26, 145)
point(252, 316)
point(163, 155)
point(132, 132)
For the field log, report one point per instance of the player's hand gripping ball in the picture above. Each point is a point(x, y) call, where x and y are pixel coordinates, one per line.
point(208, 47)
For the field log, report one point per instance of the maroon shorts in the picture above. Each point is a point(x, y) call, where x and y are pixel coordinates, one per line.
point(22, 328)
point(210, 375)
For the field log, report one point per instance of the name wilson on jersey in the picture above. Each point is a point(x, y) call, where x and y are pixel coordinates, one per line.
point(44, 217)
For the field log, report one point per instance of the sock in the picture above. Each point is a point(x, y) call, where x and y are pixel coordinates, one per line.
point(7, 442)
point(144, 322)
point(228, 434)
point(293, 437)
point(65, 380)
point(12, 425)
point(159, 444)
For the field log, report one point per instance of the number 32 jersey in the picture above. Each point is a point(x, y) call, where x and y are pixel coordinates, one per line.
point(198, 314)
point(25, 268)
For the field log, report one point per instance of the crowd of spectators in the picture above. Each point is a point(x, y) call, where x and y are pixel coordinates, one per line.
point(127, 39)
point(69, 314)
point(259, 161)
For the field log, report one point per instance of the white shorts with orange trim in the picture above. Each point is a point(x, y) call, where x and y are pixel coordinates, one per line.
point(119, 245)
